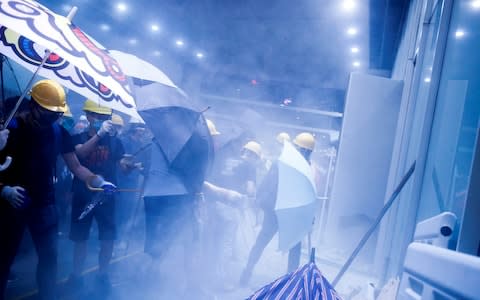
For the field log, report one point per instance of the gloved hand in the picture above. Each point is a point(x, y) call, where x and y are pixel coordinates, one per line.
point(15, 195)
point(107, 186)
point(107, 127)
point(129, 164)
point(3, 138)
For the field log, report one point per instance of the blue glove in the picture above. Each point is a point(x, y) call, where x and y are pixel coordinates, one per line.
point(107, 186)
point(15, 195)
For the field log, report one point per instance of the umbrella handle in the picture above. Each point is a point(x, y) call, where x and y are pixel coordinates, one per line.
point(95, 189)
point(6, 164)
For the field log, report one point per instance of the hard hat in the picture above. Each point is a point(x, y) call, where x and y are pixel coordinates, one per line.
point(212, 128)
point(117, 120)
point(92, 106)
point(68, 112)
point(254, 147)
point(282, 137)
point(305, 140)
point(49, 95)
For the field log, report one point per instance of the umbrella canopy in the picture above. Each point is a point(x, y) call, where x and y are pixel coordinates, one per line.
point(28, 29)
point(305, 283)
point(140, 69)
point(296, 197)
point(161, 181)
point(180, 131)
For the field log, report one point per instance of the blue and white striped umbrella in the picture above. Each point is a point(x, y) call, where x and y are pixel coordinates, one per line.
point(306, 283)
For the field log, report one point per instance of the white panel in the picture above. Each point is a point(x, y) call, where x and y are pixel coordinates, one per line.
point(432, 272)
point(366, 143)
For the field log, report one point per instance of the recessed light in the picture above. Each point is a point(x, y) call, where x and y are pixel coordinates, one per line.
point(352, 31)
point(122, 7)
point(179, 43)
point(104, 27)
point(348, 4)
point(459, 33)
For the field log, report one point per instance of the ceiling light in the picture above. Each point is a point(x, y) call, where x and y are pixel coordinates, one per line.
point(155, 27)
point(104, 27)
point(199, 55)
point(427, 79)
point(132, 41)
point(66, 8)
point(352, 31)
point(179, 43)
point(354, 49)
point(459, 33)
point(356, 64)
point(157, 53)
point(348, 5)
point(122, 7)
point(476, 4)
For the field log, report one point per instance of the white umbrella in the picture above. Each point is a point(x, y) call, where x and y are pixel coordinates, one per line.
point(136, 67)
point(296, 197)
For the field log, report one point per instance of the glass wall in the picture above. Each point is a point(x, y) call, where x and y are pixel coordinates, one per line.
point(455, 124)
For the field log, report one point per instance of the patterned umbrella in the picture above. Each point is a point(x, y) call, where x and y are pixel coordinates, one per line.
point(305, 283)
point(75, 60)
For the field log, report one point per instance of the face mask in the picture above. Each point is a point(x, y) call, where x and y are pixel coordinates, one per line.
point(45, 118)
point(97, 124)
point(68, 123)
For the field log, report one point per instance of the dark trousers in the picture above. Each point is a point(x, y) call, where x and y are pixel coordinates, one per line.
point(42, 225)
point(269, 228)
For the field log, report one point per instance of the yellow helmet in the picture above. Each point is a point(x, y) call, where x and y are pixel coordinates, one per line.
point(49, 95)
point(254, 147)
point(68, 112)
point(305, 140)
point(92, 106)
point(212, 128)
point(117, 120)
point(282, 137)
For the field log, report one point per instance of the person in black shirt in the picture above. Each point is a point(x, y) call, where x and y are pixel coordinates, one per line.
point(101, 151)
point(27, 188)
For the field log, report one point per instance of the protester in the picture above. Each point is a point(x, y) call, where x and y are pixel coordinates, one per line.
point(27, 190)
point(100, 150)
point(266, 197)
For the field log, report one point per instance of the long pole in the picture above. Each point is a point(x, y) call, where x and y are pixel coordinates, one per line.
point(379, 218)
point(27, 88)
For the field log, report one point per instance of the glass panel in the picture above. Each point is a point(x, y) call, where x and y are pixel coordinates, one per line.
point(456, 117)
